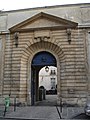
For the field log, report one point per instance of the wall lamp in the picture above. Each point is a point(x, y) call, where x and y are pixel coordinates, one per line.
point(16, 34)
point(68, 31)
point(46, 68)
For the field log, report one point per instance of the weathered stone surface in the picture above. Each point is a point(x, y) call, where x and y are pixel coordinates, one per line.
point(72, 59)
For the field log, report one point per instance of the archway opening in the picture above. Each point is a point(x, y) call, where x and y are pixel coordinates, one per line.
point(40, 61)
point(48, 85)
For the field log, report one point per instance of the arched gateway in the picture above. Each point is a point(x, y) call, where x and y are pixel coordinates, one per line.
point(40, 60)
point(37, 37)
point(38, 55)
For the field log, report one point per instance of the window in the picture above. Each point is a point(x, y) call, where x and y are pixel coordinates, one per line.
point(53, 72)
point(53, 84)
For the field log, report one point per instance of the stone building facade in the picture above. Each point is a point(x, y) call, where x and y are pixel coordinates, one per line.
point(62, 34)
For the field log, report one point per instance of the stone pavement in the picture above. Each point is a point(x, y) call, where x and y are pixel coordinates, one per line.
point(34, 112)
point(70, 112)
point(43, 112)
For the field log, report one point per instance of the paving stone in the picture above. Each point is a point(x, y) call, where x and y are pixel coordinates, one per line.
point(44, 112)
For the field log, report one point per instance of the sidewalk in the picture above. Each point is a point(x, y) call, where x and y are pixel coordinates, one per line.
point(34, 112)
point(70, 112)
point(43, 112)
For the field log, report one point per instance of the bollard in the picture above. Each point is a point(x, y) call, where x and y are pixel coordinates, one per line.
point(43, 94)
point(61, 105)
point(15, 104)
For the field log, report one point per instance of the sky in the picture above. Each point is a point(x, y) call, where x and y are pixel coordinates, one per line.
point(7, 5)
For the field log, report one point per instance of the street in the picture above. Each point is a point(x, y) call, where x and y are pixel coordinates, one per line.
point(45, 110)
point(44, 113)
point(80, 116)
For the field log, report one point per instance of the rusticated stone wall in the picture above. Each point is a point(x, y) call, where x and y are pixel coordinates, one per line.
point(0, 65)
point(71, 64)
point(2, 51)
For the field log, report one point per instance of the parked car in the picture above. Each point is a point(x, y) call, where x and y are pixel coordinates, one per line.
point(87, 109)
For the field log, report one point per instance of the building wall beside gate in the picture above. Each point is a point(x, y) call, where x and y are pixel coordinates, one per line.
point(72, 80)
point(45, 29)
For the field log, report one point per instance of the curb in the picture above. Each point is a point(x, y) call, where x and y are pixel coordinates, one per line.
point(11, 118)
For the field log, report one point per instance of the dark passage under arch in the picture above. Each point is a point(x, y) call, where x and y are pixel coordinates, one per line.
point(43, 59)
point(39, 60)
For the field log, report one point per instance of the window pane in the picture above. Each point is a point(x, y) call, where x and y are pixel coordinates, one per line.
point(53, 83)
